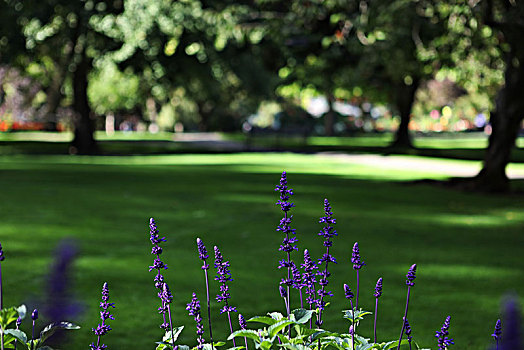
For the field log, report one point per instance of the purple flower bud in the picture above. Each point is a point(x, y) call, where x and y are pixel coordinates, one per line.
point(407, 330)
point(378, 288)
point(347, 291)
point(202, 253)
point(18, 322)
point(242, 321)
point(283, 292)
point(410, 277)
point(34, 315)
point(498, 330)
point(355, 258)
point(443, 340)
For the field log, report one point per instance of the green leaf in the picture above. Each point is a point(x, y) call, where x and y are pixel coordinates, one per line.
point(357, 315)
point(219, 343)
point(7, 316)
point(266, 345)
point(263, 319)
point(364, 346)
point(51, 328)
point(277, 327)
point(320, 333)
point(18, 334)
point(295, 346)
point(276, 315)
point(302, 316)
point(176, 333)
point(248, 333)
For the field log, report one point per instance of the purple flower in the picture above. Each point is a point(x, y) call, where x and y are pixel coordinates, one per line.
point(308, 278)
point(407, 330)
point(202, 253)
point(223, 277)
point(34, 315)
point(103, 328)
point(283, 292)
point(159, 265)
point(285, 194)
point(498, 330)
point(165, 295)
point(18, 322)
point(194, 310)
point(347, 291)
point(378, 288)
point(410, 277)
point(443, 340)
point(296, 277)
point(242, 322)
point(327, 232)
point(355, 258)
point(289, 242)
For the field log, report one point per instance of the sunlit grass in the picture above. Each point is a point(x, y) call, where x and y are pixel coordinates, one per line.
point(468, 247)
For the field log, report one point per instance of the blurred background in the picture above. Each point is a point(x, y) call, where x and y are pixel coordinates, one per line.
point(408, 113)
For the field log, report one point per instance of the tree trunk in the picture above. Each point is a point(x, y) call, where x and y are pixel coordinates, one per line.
point(505, 124)
point(329, 117)
point(83, 141)
point(404, 99)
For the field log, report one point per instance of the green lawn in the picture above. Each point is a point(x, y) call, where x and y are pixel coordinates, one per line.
point(468, 247)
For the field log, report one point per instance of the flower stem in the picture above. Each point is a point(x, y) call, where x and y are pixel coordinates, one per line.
point(375, 323)
point(230, 326)
point(358, 282)
point(404, 318)
point(208, 307)
point(171, 325)
point(353, 324)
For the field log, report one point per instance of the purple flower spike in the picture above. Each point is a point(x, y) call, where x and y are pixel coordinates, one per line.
point(159, 265)
point(105, 315)
point(224, 276)
point(407, 331)
point(498, 330)
point(347, 291)
point(327, 232)
point(34, 315)
point(202, 253)
point(355, 258)
point(194, 310)
point(285, 194)
point(308, 278)
point(378, 288)
point(410, 277)
point(443, 340)
point(242, 322)
point(289, 243)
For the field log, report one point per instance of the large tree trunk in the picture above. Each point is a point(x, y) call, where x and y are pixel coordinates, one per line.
point(404, 99)
point(506, 120)
point(83, 141)
point(505, 124)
